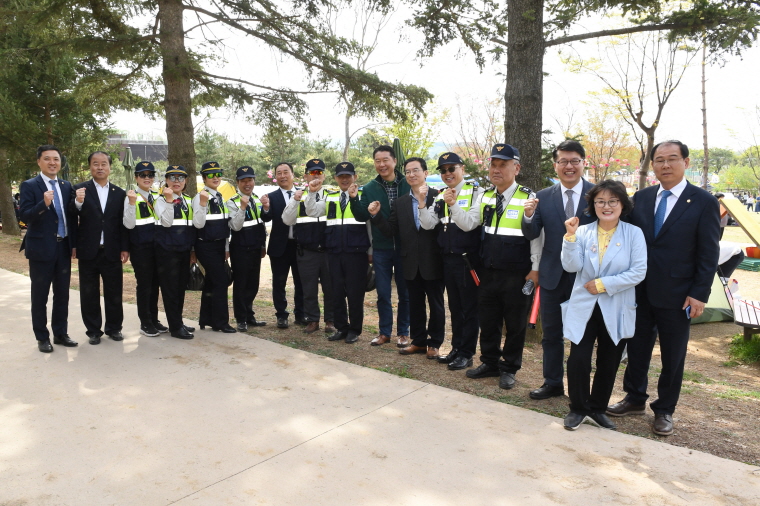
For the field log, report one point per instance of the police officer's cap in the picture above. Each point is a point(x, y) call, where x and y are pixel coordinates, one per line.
point(246, 171)
point(345, 168)
point(505, 152)
point(449, 159)
point(144, 167)
point(315, 164)
point(175, 169)
point(210, 168)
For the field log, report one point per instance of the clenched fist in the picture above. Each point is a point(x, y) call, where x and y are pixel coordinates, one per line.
point(244, 199)
point(203, 197)
point(450, 196)
point(49, 196)
point(297, 195)
point(265, 202)
point(315, 185)
point(132, 196)
point(530, 206)
point(571, 225)
point(353, 190)
point(423, 195)
point(168, 195)
point(374, 208)
point(80, 195)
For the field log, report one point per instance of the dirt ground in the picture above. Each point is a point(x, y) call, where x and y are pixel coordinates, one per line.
point(718, 413)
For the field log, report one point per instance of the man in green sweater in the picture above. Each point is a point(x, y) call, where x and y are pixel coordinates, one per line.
point(385, 188)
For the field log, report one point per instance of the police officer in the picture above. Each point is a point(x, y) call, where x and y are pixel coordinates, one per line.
point(461, 253)
point(348, 244)
point(311, 256)
point(246, 247)
point(140, 220)
point(174, 238)
point(211, 218)
point(508, 261)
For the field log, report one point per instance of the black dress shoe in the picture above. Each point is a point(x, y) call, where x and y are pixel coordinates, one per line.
point(483, 371)
point(182, 333)
point(447, 359)
point(242, 327)
point(253, 322)
point(160, 327)
point(573, 420)
point(460, 362)
point(116, 336)
point(227, 329)
point(602, 421)
point(546, 391)
point(300, 320)
point(624, 408)
point(94, 339)
point(149, 330)
point(507, 380)
point(338, 336)
point(189, 329)
point(45, 346)
point(663, 424)
point(64, 340)
point(351, 338)
point(282, 323)
point(202, 326)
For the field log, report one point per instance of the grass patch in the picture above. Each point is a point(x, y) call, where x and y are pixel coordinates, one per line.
point(745, 351)
point(729, 363)
point(129, 270)
point(402, 371)
point(371, 329)
point(696, 377)
point(734, 393)
point(298, 344)
point(687, 390)
point(325, 352)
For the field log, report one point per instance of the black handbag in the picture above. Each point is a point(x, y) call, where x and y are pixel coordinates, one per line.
point(195, 280)
point(370, 278)
point(228, 270)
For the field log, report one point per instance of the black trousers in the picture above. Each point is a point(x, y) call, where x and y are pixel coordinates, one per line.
point(314, 269)
point(281, 266)
point(463, 304)
point(419, 326)
point(673, 328)
point(214, 307)
point(143, 260)
point(246, 272)
point(57, 273)
point(173, 273)
point(553, 341)
point(583, 398)
point(502, 303)
point(349, 277)
point(90, 274)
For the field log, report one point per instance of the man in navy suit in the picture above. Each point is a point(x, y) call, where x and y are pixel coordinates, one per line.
point(559, 203)
point(282, 247)
point(681, 225)
point(49, 244)
point(102, 248)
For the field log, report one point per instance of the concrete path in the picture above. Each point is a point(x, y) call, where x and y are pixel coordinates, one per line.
point(237, 420)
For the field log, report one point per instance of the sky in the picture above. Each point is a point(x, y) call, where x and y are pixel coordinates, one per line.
point(733, 91)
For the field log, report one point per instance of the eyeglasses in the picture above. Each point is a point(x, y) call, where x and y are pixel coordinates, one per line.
point(147, 175)
point(450, 169)
point(315, 172)
point(611, 203)
point(564, 163)
point(213, 175)
point(175, 178)
point(670, 161)
point(412, 171)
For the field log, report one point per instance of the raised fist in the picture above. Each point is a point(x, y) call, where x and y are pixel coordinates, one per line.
point(265, 202)
point(423, 193)
point(168, 194)
point(49, 196)
point(80, 195)
point(132, 196)
point(450, 196)
point(530, 207)
point(374, 208)
point(203, 197)
point(353, 190)
point(297, 195)
point(315, 185)
point(244, 199)
point(571, 225)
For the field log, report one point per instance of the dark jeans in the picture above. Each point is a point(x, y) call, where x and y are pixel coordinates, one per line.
point(281, 266)
point(388, 264)
point(432, 290)
point(57, 273)
point(463, 304)
point(90, 274)
point(143, 260)
point(585, 400)
point(553, 341)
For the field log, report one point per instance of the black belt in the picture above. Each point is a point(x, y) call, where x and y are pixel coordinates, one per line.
point(59, 239)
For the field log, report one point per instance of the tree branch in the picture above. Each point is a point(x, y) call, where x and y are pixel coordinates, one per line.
point(259, 85)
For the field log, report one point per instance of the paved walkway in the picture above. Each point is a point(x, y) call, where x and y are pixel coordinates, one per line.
point(236, 420)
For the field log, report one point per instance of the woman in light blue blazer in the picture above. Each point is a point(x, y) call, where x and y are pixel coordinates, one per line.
point(610, 257)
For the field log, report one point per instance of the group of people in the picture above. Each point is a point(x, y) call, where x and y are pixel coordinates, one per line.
point(612, 270)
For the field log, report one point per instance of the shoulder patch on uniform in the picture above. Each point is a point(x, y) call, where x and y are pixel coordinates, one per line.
point(526, 189)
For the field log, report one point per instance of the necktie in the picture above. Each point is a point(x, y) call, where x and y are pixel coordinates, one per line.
point(343, 201)
point(569, 208)
point(150, 198)
point(659, 215)
point(317, 197)
point(290, 193)
point(58, 209)
point(499, 204)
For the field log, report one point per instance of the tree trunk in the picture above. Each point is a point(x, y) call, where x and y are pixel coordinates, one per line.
point(177, 101)
point(646, 161)
point(7, 208)
point(524, 91)
point(706, 160)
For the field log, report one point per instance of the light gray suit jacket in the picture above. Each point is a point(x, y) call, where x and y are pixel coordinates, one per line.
point(624, 266)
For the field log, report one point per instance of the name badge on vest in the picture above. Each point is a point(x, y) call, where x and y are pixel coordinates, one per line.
point(512, 214)
point(462, 202)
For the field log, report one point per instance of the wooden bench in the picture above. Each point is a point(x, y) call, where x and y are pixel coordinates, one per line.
point(747, 315)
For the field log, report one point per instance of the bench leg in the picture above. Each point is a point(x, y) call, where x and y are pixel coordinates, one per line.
point(749, 332)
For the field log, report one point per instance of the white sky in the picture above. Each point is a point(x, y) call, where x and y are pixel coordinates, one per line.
point(733, 92)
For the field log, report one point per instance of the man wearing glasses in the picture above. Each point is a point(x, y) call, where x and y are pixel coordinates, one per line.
point(313, 267)
point(140, 220)
point(681, 224)
point(461, 253)
point(558, 204)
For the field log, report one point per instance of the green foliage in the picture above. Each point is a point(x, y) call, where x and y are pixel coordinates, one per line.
point(741, 177)
point(745, 351)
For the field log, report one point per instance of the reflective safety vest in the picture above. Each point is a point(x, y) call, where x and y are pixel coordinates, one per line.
point(503, 244)
point(310, 232)
point(253, 234)
point(145, 221)
point(180, 236)
point(451, 238)
point(343, 232)
point(217, 221)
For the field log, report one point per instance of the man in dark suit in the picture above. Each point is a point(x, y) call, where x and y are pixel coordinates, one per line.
point(422, 259)
point(102, 248)
point(48, 244)
point(282, 248)
point(681, 225)
point(558, 203)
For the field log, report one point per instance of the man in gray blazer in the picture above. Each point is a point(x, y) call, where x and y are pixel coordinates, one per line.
point(559, 203)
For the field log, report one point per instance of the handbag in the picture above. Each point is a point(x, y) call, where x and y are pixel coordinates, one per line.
point(370, 278)
point(195, 279)
point(228, 270)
